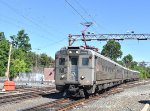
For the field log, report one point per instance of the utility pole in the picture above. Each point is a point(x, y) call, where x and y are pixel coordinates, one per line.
point(37, 61)
point(8, 65)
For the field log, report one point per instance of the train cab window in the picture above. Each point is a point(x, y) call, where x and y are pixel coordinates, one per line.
point(106, 68)
point(74, 61)
point(85, 61)
point(96, 57)
point(61, 61)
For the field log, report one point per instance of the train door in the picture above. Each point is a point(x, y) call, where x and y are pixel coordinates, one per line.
point(74, 68)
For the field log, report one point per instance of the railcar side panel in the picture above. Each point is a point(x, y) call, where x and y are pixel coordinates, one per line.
point(86, 69)
point(61, 69)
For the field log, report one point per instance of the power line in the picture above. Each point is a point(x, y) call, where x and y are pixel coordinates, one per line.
point(37, 18)
point(54, 43)
point(30, 20)
point(76, 11)
point(92, 18)
point(6, 21)
point(50, 44)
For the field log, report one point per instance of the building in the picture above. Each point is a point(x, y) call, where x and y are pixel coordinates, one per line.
point(49, 74)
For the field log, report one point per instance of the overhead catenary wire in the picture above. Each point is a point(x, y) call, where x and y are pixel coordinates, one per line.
point(79, 13)
point(53, 43)
point(5, 21)
point(31, 21)
point(83, 18)
point(43, 47)
point(75, 10)
point(38, 20)
point(89, 15)
point(26, 18)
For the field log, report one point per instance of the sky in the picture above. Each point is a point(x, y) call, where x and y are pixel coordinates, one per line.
point(48, 22)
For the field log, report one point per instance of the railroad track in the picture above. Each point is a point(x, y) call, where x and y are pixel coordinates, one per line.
point(23, 90)
point(68, 104)
point(25, 94)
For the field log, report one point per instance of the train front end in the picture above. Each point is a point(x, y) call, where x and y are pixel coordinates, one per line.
point(74, 71)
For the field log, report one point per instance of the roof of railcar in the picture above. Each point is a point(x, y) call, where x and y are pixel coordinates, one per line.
point(97, 53)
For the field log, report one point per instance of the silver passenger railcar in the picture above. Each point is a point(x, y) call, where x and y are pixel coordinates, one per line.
point(80, 72)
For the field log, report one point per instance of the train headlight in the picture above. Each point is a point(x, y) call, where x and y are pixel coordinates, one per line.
point(77, 52)
point(70, 52)
point(82, 77)
point(62, 76)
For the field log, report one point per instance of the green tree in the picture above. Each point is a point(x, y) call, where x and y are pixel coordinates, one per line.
point(18, 66)
point(134, 64)
point(2, 36)
point(148, 72)
point(143, 73)
point(18, 54)
point(45, 60)
point(21, 40)
point(19, 58)
point(127, 60)
point(31, 60)
point(39, 60)
point(112, 50)
point(4, 49)
point(120, 62)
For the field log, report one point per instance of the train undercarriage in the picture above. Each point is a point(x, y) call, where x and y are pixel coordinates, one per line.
point(80, 91)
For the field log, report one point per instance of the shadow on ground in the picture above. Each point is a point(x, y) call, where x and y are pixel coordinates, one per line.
point(144, 101)
point(56, 95)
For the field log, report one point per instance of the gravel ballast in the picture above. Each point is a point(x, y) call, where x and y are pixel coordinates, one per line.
point(30, 102)
point(24, 104)
point(132, 99)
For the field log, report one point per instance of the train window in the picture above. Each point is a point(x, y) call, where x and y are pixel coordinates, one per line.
point(61, 61)
point(61, 70)
point(109, 70)
point(74, 61)
point(103, 68)
point(85, 61)
point(106, 69)
point(96, 57)
point(117, 71)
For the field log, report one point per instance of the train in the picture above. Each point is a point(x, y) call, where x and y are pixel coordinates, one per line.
point(80, 72)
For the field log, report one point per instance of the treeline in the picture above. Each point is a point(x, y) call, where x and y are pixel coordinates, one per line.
point(22, 58)
point(112, 49)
